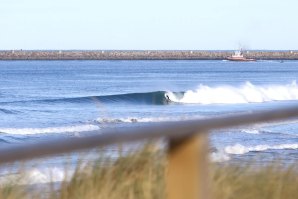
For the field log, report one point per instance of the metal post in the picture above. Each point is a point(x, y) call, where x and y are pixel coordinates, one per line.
point(187, 175)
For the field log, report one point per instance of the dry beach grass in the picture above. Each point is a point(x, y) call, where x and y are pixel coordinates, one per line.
point(141, 175)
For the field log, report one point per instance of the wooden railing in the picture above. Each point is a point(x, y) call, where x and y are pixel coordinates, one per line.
point(187, 176)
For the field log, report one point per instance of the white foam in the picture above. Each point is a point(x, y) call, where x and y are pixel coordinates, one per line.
point(236, 149)
point(37, 176)
point(250, 131)
point(219, 156)
point(240, 149)
point(246, 93)
point(131, 120)
point(145, 119)
point(63, 129)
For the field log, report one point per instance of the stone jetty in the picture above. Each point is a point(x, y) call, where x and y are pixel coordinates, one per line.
point(140, 55)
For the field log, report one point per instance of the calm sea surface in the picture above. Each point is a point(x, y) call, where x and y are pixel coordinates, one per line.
point(45, 99)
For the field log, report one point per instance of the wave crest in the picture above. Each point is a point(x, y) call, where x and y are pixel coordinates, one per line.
point(246, 93)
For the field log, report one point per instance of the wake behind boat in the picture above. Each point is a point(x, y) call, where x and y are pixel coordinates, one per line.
point(238, 56)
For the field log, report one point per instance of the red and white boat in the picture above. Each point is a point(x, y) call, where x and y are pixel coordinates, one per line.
point(238, 56)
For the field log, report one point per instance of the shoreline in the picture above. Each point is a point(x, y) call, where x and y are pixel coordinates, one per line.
point(141, 55)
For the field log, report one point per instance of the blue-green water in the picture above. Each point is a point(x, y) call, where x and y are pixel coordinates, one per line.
point(44, 99)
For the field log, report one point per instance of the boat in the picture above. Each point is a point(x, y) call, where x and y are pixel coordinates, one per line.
point(238, 56)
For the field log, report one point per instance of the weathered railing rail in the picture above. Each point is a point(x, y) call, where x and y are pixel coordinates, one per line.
point(187, 156)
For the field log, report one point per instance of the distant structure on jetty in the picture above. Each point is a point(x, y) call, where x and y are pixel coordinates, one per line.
point(141, 55)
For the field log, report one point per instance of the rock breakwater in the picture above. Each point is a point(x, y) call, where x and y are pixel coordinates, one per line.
point(140, 55)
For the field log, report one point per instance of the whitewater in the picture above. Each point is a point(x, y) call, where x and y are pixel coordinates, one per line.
point(246, 93)
point(41, 100)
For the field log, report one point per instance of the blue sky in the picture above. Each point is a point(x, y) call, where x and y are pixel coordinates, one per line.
point(154, 24)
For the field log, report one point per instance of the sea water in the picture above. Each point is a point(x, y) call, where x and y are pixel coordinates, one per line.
point(41, 100)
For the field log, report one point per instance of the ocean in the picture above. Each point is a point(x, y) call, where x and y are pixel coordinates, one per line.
point(40, 100)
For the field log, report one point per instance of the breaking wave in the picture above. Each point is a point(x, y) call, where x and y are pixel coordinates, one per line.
point(144, 119)
point(240, 149)
point(63, 129)
point(246, 93)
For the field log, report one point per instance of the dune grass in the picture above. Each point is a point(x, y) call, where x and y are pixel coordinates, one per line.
point(141, 175)
point(272, 181)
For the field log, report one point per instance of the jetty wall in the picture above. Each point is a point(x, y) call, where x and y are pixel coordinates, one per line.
point(140, 55)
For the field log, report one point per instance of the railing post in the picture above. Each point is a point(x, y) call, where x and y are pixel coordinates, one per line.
point(187, 175)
